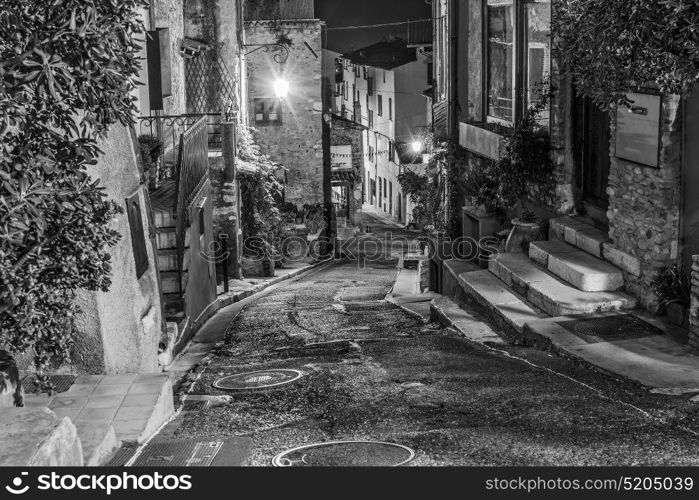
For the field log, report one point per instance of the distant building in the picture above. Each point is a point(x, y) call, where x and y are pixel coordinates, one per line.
point(290, 127)
point(368, 95)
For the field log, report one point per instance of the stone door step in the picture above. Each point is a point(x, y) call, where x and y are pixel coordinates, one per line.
point(578, 233)
point(580, 269)
point(546, 292)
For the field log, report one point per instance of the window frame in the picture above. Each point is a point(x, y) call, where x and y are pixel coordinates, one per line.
point(266, 121)
point(379, 101)
point(520, 61)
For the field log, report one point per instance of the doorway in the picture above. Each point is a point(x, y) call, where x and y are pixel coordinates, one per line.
point(591, 153)
point(690, 182)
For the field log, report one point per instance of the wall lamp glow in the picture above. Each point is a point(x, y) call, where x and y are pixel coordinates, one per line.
point(417, 146)
point(281, 88)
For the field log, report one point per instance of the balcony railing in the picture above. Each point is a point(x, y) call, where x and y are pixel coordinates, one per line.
point(169, 128)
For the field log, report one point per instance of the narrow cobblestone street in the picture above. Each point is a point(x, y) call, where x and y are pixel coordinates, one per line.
point(373, 371)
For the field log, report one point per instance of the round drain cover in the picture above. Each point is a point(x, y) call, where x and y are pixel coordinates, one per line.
point(345, 454)
point(262, 379)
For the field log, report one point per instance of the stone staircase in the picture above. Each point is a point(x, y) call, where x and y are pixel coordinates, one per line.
point(559, 277)
point(166, 239)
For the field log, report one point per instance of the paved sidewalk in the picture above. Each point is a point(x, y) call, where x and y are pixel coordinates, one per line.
point(660, 362)
point(107, 409)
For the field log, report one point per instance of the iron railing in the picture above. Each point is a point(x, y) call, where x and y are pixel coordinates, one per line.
point(191, 173)
point(169, 128)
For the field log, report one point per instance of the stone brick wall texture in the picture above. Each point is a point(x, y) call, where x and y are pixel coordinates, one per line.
point(298, 142)
point(644, 204)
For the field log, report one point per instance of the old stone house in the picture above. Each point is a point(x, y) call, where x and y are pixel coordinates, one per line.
point(625, 177)
point(284, 66)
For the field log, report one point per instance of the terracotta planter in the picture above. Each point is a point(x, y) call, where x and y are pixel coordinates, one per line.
point(521, 235)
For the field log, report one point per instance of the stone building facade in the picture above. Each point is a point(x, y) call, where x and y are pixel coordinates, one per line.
point(645, 210)
point(291, 128)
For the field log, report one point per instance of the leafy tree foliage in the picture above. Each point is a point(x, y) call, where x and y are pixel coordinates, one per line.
point(609, 45)
point(426, 192)
point(525, 171)
point(67, 71)
point(260, 195)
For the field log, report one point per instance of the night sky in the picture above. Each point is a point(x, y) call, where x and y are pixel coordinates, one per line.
point(362, 12)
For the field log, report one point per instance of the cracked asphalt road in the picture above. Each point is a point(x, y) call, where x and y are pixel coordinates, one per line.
point(374, 371)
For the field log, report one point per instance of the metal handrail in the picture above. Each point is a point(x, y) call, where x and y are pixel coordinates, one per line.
point(192, 171)
point(169, 128)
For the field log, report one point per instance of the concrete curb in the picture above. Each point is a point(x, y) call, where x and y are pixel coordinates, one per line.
point(450, 315)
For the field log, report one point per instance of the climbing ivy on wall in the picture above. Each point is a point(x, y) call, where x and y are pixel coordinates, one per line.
point(610, 45)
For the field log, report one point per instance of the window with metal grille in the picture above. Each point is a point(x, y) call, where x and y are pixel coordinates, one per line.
point(268, 111)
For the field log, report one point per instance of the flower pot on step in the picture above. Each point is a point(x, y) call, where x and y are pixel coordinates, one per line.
point(521, 235)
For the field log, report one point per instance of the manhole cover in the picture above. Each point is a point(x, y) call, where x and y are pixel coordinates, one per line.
point(262, 379)
point(345, 454)
point(61, 383)
point(608, 328)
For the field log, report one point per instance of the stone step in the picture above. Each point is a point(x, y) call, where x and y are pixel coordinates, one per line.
point(167, 259)
point(553, 296)
point(579, 233)
point(170, 283)
point(580, 269)
point(164, 218)
point(166, 238)
point(508, 310)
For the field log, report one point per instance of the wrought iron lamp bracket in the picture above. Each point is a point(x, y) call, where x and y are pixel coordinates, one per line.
point(281, 50)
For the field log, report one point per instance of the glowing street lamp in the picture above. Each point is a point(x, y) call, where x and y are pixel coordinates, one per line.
point(417, 146)
point(281, 88)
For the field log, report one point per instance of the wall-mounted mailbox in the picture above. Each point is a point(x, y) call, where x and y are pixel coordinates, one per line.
point(638, 129)
point(159, 66)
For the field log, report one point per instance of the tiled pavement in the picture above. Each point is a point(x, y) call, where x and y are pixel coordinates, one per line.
point(107, 409)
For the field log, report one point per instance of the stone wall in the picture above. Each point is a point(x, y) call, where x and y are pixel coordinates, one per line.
point(119, 330)
point(297, 143)
point(644, 204)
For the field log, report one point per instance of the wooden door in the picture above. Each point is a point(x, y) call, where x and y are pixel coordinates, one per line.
point(591, 150)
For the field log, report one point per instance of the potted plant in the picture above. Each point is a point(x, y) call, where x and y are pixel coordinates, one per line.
point(525, 229)
point(524, 175)
point(672, 287)
point(151, 149)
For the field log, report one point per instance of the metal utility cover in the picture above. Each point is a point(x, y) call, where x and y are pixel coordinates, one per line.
point(346, 454)
point(261, 379)
point(610, 328)
point(61, 383)
point(179, 454)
